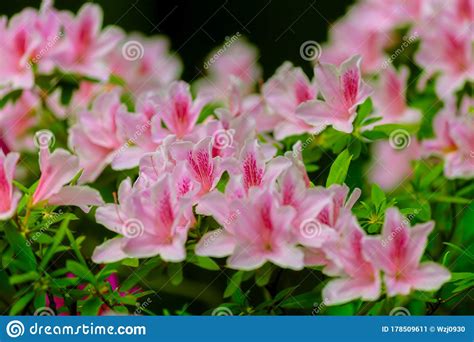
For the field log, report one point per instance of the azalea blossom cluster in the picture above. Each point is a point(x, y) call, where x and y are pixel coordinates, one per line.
point(219, 153)
point(443, 31)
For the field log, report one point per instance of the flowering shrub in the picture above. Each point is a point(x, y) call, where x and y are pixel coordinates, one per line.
point(125, 190)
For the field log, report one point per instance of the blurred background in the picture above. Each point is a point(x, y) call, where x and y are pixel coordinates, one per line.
point(276, 27)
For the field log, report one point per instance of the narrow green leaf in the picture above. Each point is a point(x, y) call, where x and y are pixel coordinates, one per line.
point(338, 171)
point(58, 238)
point(131, 262)
point(23, 278)
point(12, 96)
point(23, 253)
point(204, 262)
point(233, 284)
point(80, 271)
point(377, 195)
point(302, 301)
point(263, 275)
point(449, 199)
point(363, 111)
point(21, 303)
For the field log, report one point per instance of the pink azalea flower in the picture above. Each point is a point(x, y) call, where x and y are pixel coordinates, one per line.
point(238, 102)
point(154, 221)
point(9, 197)
point(140, 132)
point(397, 13)
point(238, 60)
point(97, 138)
point(229, 133)
point(454, 142)
point(308, 203)
point(391, 166)
point(219, 242)
point(446, 48)
point(144, 63)
point(340, 199)
point(324, 225)
point(80, 99)
point(460, 11)
point(398, 254)
point(57, 170)
point(251, 106)
point(364, 31)
point(261, 231)
point(390, 98)
point(287, 89)
point(296, 157)
point(155, 164)
point(203, 168)
point(17, 121)
point(252, 169)
point(85, 46)
point(27, 41)
point(343, 90)
point(178, 111)
point(358, 278)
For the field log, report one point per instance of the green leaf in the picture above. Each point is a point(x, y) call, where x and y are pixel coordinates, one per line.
point(302, 301)
point(372, 120)
point(91, 307)
point(376, 309)
point(338, 171)
point(204, 262)
point(456, 248)
point(363, 111)
point(374, 135)
point(12, 96)
point(20, 186)
point(425, 212)
point(139, 274)
point(464, 230)
point(131, 262)
point(117, 80)
point(233, 284)
point(7, 291)
point(389, 128)
point(23, 253)
point(66, 94)
point(58, 238)
point(21, 303)
point(377, 196)
point(40, 301)
point(75, 179)
point(432, 175)
point(341, 310)
point(457, 276)
point(120, 309)
point(263, 275)
point(23, 278)
point(449, 199)
point(284, 293)
point(80, 271)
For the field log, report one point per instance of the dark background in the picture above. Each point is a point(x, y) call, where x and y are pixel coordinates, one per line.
point(276, 27)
